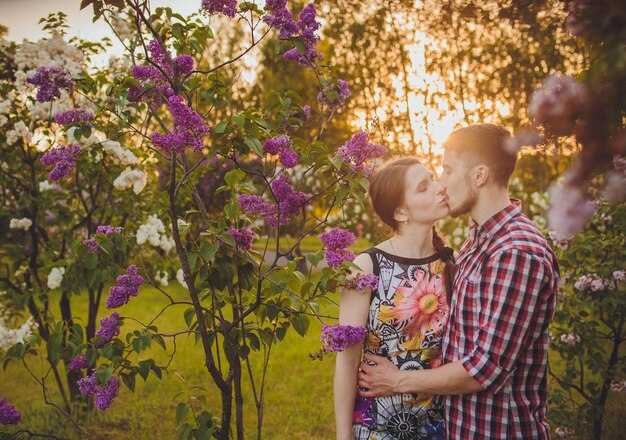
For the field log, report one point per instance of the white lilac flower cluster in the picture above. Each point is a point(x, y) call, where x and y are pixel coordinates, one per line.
point(44, 186)
point(562, 432)
point(129, 177)
point(49, 52)
point(121, 25)
point(55, 277)
point(20, 223)
point(19, 131)
point(619, 386)
point(162, 277)
point(10, 337)
point(180, 277)
point(153, 232)
point(570, 339)
point(5, 108)
point(53, 51)
point(591, 282)
point(118, 155)
point(558, 240)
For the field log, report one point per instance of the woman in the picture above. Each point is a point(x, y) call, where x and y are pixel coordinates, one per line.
point(406, 315)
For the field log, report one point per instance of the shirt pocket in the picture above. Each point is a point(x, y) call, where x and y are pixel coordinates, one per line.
point(469, 307)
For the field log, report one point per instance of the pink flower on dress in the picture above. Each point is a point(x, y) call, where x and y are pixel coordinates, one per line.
point(422, 304)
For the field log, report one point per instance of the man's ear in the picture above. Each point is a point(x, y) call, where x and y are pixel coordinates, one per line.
point(480, 175)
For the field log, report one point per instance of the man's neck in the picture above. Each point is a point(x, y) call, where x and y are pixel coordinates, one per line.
point(491, 200)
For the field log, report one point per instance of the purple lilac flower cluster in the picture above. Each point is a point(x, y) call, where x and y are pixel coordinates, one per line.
point(189, 128)
point(283, 146)
point(358, 150)
point(159, 77)
point(79, 362)
point(362, 282)
point(307, 26)
point(243, 237)
point(226, 7)
point(339, 337)
point(558, 103)
point(109, 230)
point(109, 328)
point(104, 393)
point(289, 203)
point(127, 286)
point(579, 21)
point(50, 81)
point(8, 414)
point(92, 245)
point(280, 18)
point(74, 116)
point(334, 95)
point(335, 243)
point(63, 159)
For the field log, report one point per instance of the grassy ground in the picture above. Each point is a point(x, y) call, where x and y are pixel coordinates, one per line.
point(298, 403)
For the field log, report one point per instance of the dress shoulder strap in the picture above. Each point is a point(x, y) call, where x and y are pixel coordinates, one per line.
point(374, 255)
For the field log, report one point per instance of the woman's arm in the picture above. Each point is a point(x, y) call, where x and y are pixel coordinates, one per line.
point(353, 310)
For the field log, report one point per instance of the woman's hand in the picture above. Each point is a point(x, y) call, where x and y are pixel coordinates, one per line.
point(381, 379)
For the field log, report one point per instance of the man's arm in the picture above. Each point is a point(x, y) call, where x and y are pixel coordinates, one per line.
point(510, 301)
point(386, 379)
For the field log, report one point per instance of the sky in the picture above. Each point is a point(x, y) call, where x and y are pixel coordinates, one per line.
point(21, 17)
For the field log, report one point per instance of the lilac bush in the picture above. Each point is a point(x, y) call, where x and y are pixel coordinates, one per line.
point(111, 132)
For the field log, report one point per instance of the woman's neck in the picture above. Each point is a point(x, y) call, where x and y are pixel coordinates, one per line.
point(413, 241)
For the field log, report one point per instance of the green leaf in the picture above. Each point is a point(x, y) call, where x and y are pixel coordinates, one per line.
point(315, 258)
point(129, 380)
point(193, 259)
point(341, 193)
point(91, 261)
point(234, 176)
point(255, 145)
point(190, 314)
point(53, 346)
point(181, 411)
point(240, 120)
point(301, 324)
point(184, 432)
point(337, 162)
point(221, 127)
point(209, 251)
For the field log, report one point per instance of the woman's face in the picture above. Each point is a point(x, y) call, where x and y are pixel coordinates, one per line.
point(424, 199)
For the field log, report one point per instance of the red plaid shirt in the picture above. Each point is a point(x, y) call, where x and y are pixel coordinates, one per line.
point(505, 289)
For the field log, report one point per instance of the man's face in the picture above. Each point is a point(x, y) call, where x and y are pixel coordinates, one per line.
point(459, 187)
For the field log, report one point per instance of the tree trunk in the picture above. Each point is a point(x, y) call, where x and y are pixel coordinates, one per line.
point(71, 376)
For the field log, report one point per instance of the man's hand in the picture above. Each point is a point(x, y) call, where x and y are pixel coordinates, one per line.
point(380, 379)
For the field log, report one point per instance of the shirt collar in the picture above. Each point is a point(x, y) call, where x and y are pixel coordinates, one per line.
point(496, 222)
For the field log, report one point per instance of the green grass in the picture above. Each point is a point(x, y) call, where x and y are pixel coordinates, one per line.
point(298, 401)
point(298, 390)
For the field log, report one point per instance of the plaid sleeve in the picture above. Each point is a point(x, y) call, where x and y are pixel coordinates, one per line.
point(510, 296)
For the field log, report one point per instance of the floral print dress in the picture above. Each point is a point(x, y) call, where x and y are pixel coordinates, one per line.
point(407, 317)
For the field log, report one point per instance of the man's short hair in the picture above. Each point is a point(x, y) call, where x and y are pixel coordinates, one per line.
point(484, 144)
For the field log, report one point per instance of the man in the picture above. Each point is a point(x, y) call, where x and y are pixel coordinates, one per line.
point(495, 348)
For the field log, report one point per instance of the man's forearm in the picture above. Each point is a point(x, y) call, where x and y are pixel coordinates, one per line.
point(448, 379)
